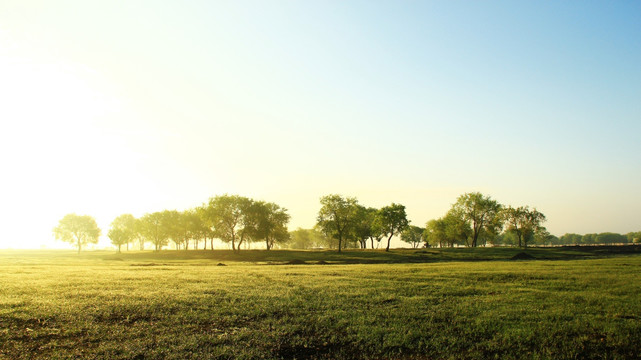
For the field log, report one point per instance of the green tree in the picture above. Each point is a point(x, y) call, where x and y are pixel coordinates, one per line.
point(480, 211)
point(634, 237)
point(227, 215)
point(307, 239)
point(434, 234)
point(123, 230)
point(196, 228)
point(523, 222)
point(457, 230)
point(337, 217)
point(570, 239)
point(362, 230)
point(588, 239)
point(393, 221)
point(274, 225)
point(207, 231)
point(77, 229)
point(413, 235)
point(609, 238)
point(154, 228)
point(448, 231)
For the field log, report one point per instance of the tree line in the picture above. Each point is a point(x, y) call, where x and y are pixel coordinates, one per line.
point(233, 219)
point(342, 222)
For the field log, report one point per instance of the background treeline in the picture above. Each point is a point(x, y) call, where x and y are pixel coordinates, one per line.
point(232, 219)
point(342, 222)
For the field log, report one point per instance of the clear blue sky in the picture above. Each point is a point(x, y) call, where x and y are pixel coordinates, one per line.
point(113, 107)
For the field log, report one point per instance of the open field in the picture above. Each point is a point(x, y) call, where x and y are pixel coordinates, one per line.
point(429, 303)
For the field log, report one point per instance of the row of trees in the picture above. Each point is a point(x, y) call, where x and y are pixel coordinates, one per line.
point(347, 221)
point(233, 219)
point(474, 219)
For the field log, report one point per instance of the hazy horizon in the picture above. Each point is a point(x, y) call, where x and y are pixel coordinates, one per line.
point(111, 108)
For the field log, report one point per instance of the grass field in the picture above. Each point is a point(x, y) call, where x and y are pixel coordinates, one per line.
point(409, 304)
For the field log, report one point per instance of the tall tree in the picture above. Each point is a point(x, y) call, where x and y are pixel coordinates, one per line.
point(413, 235)
point(336, 217)
point(123, 230)
point(154, 227)
point(363, 222)
point(435, 233)
point(196, 228)
point(376, 226)
point(481, 212)
point(273, 225)
point(225, 212)
point(77, 229)
point(523, 222)
point(393, 220)
point(207, 231)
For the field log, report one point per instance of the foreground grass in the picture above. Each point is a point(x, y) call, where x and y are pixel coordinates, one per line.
point(173, 306)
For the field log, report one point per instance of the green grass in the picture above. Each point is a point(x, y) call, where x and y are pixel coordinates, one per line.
point(452, 304)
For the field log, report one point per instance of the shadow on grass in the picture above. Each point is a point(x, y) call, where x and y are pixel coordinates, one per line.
point(398, 256)
point(321, 257)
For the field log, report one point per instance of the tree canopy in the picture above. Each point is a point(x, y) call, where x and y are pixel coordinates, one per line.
point(393, 220)
point(337, 217)
point(480, 211)
point(79, 230)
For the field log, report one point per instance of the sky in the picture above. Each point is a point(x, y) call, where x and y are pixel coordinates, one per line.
point(112, 107)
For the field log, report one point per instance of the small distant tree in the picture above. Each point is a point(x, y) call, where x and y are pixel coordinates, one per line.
point(78, 230)
point(393, 221)
point(634, 237)
point(589, 239)
point(570, 239)
point(413, 235)
point(609, 238)
point(307, 238)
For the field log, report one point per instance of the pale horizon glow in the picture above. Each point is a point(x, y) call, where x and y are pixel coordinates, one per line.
point(110, 108)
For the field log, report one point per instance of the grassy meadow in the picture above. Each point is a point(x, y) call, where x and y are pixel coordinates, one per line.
point(568, 303)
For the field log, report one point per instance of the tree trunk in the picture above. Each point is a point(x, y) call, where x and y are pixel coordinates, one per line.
point(79, 246)
point(119, 246)
point(127, 245)
point(267, 243)
point(212, 244)
point(389, 240)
